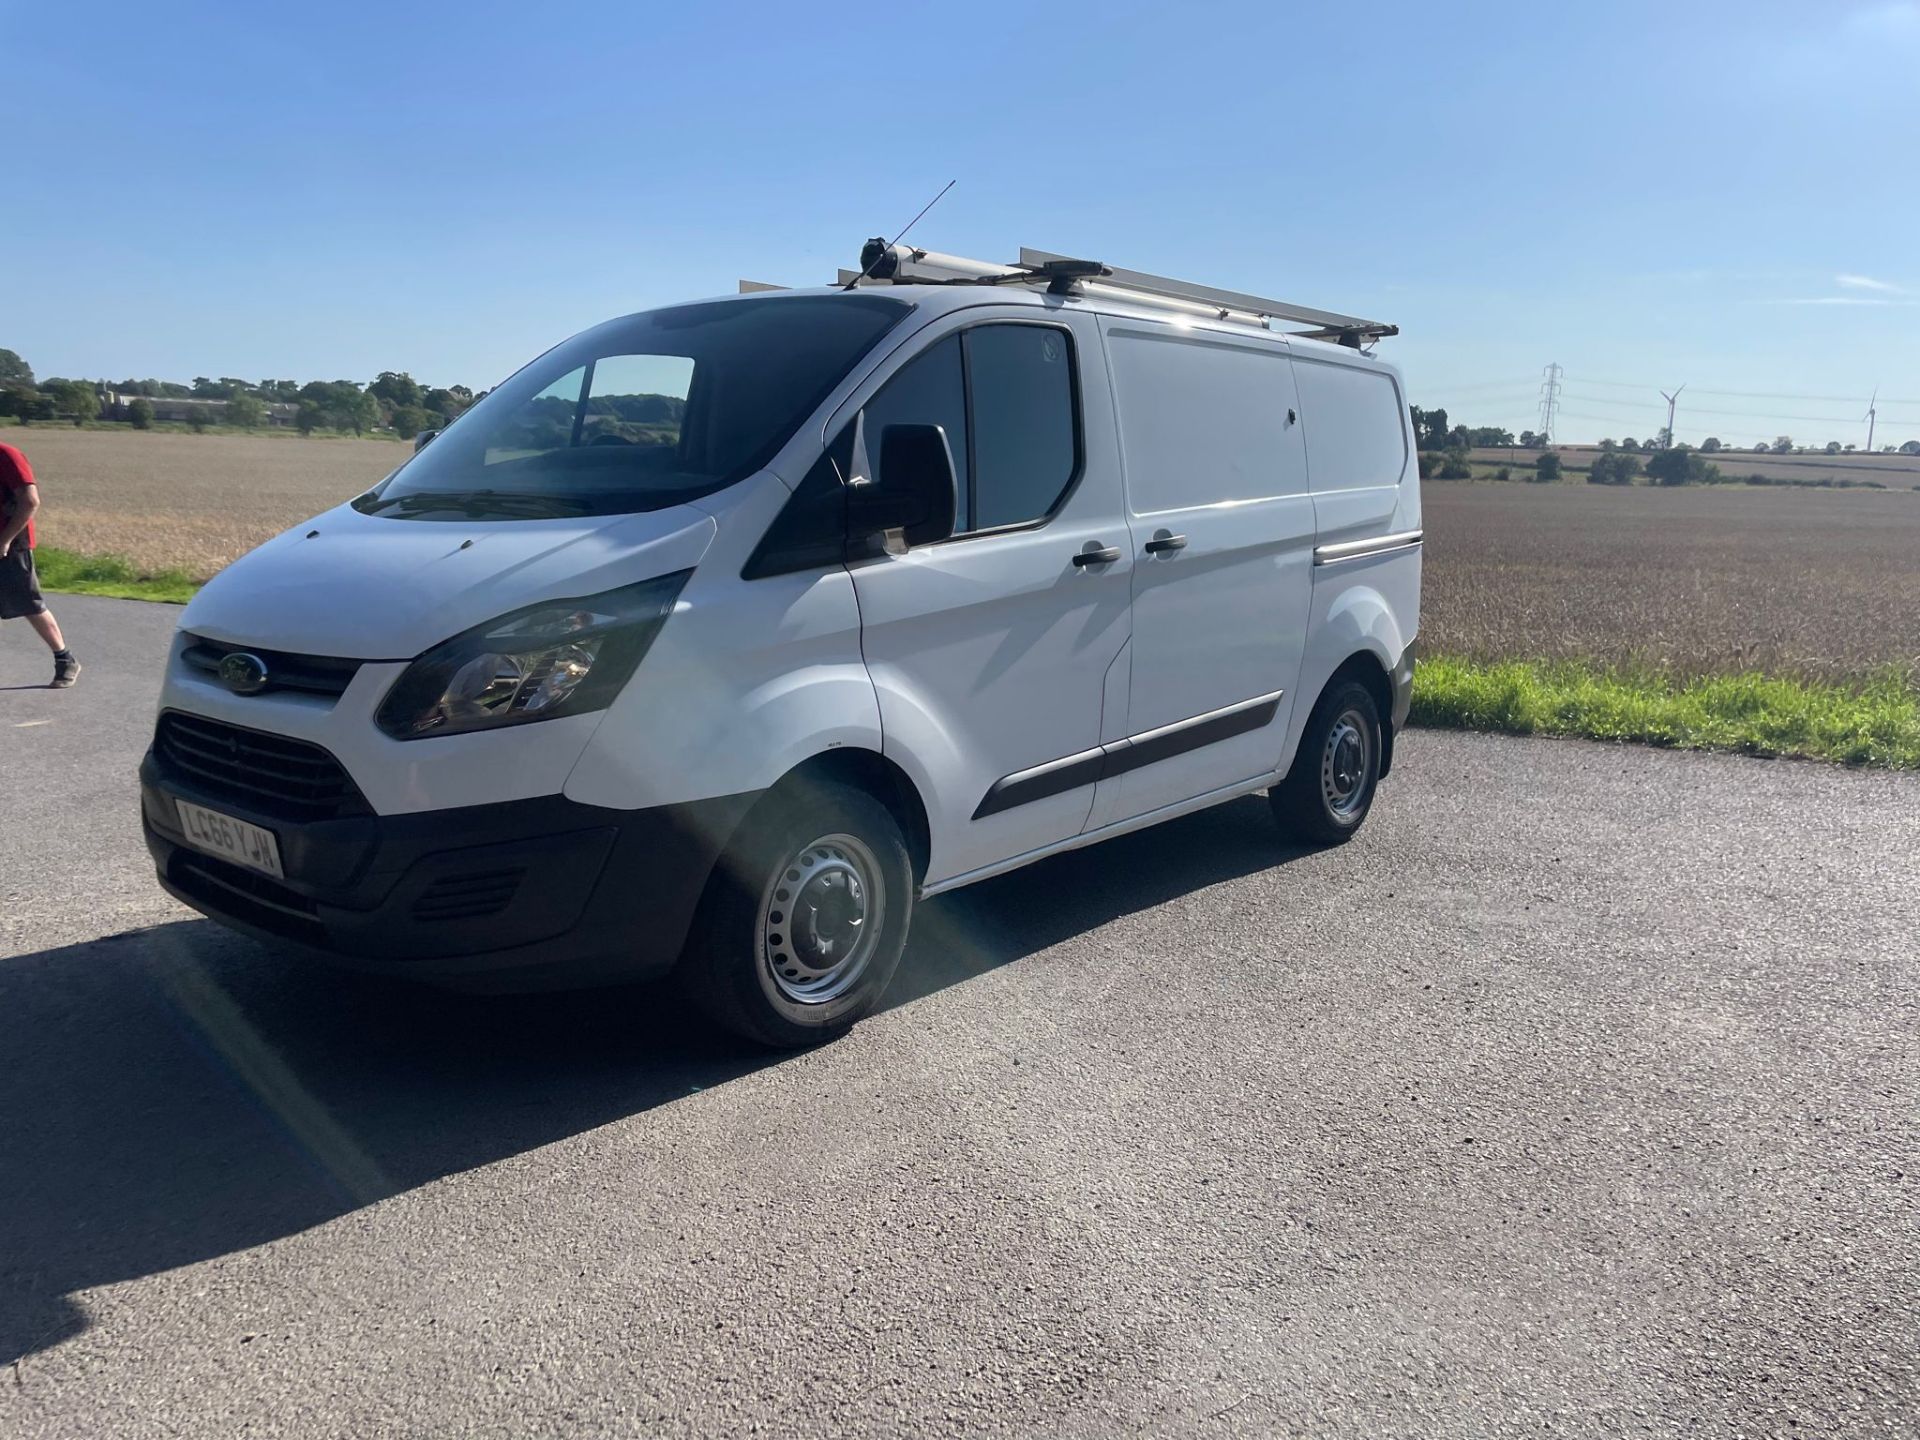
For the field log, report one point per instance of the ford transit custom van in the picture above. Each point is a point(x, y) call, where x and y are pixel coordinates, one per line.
point(721, 635)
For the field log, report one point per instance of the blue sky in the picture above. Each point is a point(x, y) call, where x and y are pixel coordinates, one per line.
point(1720, 194)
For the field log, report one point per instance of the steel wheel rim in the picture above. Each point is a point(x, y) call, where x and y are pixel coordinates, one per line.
point(820, 920)
point(1345, 762)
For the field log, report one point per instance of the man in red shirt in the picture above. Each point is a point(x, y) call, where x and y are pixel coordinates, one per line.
point(19, 584)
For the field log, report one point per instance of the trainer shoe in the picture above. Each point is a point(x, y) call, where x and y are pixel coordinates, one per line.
point(65, 672)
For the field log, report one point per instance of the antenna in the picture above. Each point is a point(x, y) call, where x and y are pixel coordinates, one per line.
point(1869, 417)
point(1671, 400)
point(881, 247)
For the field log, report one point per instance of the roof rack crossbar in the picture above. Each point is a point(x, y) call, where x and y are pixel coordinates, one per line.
point(1065, 274)
point(1327, 324)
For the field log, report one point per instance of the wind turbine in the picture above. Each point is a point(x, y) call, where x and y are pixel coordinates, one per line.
point(1671, 400)
point(1869, 417)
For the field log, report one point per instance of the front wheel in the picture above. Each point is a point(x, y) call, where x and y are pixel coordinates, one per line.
point(1327, 793)
point(804, 921)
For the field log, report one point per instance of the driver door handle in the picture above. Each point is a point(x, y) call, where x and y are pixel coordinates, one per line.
point(1163, 542)
point(1097, 555)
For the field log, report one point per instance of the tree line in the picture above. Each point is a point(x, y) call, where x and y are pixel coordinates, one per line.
point(1782, 446)
point(392, 400)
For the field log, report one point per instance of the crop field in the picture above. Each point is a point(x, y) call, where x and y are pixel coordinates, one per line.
point(188, 502)
point(1811, 584)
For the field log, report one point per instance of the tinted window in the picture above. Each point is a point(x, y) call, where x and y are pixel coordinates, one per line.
point(642, 413)
point(1015, 455)
point(1023, 439)
point(928, 391)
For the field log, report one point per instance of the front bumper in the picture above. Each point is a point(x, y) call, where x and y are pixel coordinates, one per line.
point(525, 894)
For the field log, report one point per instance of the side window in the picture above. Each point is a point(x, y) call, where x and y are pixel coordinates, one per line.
point(1024, 439)
point(626, 400)
point(1005, 396)
point(931, 390)
point(636, 400)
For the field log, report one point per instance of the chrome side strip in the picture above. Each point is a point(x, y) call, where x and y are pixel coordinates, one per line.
point(1361, 549)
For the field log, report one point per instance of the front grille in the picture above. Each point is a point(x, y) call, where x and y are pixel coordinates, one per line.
point(283, 777)
point(315, 674)
point(257, 899)
point(468, 897)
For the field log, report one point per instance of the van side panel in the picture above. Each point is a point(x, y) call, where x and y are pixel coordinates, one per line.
point(747, 680)
point(1359, 449)
point(1366, 485)
point(1216, 484)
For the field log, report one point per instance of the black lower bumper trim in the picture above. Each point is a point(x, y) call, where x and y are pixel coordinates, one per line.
point(1402, 678)
point(522, 894)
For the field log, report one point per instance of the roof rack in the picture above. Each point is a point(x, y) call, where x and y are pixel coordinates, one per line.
point(885, 264)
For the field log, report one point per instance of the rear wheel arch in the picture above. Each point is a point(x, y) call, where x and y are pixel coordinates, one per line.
point(1367, 668)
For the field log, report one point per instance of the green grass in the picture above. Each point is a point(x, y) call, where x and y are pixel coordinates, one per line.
point(1874, 723)
point(66, 572)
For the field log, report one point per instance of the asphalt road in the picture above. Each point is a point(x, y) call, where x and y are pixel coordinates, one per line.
point(1579, 1096)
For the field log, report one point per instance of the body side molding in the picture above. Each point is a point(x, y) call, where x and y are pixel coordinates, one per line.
point(1364, 549)
point(1149, 747)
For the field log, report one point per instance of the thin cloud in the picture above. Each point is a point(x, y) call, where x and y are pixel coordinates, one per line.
point(1899, 19)
point(1874, 300)
point(1867, 282)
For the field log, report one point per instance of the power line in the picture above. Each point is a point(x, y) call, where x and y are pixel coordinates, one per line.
point(1740, 437)
point(1731, 414)
point(1743, 394)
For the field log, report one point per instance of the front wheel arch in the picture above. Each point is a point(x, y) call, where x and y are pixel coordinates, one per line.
point(885, 781)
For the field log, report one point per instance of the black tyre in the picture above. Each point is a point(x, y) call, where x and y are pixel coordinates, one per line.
point(1325, 798)
point(803, 923)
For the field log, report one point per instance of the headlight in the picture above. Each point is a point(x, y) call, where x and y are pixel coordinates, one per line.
point(561, 657)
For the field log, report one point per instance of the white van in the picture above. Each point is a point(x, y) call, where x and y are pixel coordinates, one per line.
point(720, 635)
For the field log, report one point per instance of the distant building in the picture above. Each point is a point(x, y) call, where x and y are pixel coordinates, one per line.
point(180, 409)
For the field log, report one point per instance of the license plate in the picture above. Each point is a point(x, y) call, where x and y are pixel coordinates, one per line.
point(230, 839)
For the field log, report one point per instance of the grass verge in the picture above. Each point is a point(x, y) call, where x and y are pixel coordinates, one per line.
point(68, 572)
point(1875, 723)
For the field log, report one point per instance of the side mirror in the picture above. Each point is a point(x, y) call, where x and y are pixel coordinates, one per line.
point(917, 492)
point(420, 440)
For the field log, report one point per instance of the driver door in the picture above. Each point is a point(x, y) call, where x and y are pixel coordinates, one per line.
point(991, 651)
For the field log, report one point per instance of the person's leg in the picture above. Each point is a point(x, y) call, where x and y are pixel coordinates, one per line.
point(20, 595)
point(48, 629)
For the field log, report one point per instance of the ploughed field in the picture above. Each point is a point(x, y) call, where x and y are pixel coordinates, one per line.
point(1809, 583)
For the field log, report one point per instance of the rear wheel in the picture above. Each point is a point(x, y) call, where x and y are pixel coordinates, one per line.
point(1327, 793)
point(804, 921)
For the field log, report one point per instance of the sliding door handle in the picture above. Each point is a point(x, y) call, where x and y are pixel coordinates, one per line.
point(1097, 554)
point(1163, 542)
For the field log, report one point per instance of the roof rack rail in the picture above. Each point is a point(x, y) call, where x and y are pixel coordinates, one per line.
point(884, 264)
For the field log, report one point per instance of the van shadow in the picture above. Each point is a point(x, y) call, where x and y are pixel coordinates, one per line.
point(179, 1093)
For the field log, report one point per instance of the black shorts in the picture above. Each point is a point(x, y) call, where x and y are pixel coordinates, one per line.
point(19, 584)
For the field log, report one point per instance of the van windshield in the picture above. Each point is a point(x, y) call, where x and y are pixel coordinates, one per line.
point(641, 413)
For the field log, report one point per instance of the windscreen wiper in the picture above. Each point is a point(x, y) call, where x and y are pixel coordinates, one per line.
point(481, 503)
